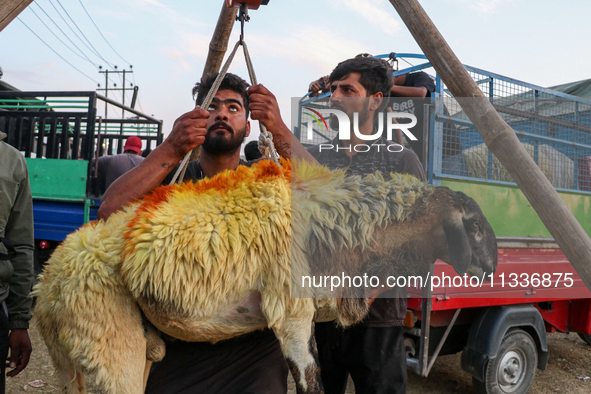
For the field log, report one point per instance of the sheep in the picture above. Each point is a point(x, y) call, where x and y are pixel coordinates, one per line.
point(221, 257)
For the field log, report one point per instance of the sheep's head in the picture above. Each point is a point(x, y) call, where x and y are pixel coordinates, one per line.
point(471, 242)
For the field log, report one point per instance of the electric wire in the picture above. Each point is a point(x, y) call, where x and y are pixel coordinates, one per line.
point(101, 33)
point(60, 56)
point(72, 30)
point(83, 35)
point(83, 56)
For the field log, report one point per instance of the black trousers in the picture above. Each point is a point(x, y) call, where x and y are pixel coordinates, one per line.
point(4, 331)
point(254, 365)
point(373, 356)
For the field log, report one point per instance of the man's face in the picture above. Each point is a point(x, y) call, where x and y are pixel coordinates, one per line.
point(349, 96)
point(227, 126)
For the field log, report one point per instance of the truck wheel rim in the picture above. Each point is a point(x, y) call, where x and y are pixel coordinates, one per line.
point(511, 370)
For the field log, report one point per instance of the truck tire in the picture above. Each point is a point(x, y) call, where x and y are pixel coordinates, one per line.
point(585, 337)
point(513, 369)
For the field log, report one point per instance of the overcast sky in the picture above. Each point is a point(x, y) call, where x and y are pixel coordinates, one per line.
point(291, 42)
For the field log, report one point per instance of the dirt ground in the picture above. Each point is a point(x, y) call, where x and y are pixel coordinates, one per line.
point(570, 357)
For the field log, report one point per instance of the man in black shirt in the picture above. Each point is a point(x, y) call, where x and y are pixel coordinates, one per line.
point(252, 363)
point(372, 352)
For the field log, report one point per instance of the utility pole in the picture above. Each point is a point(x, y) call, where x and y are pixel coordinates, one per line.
point(123, 89)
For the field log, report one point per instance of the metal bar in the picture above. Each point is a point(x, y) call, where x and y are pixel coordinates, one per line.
point(41, 137)
point(98, 144)
point(128, 109)
point(442, 341)
point(11, 130)
point(427, 306)
point(525, 239)
point(86, 210)
point(76, 139)
point(401, 55)
point(463, 122)
point(425, 131)
point(130, 121)
point(65, 140)
point(52, 140)
point(7, 94)
point(527, 85)
point(134, 97)
point(411, 69)
point(36, 101)
point(439, 176)
point(24, 108)
point(31, 135)
point(547, 119)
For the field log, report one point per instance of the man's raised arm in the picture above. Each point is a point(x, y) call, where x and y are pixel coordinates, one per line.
point(187, 133)
point(264, 108)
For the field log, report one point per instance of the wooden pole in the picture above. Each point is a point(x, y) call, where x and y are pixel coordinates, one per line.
point(217, 49)
point(10, 9)
point(500, 138)
point(219, 42)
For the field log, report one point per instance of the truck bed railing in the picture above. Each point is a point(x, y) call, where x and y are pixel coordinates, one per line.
point(554, 128)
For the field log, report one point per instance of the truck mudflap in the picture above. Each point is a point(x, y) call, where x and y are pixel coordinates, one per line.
point(488, 331)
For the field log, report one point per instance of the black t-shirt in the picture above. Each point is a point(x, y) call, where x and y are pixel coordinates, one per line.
point(415, 106)
point(386, 311)
point(195, 173)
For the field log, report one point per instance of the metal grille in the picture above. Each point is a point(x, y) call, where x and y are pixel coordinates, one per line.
point(554, 129)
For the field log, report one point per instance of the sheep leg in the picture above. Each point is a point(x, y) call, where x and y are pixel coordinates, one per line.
point(298, 343)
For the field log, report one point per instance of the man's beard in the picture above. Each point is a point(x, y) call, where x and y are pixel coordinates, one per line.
point(221, 144)
point(333, 121)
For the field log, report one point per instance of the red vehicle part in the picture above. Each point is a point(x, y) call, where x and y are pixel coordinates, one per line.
point(250, 4)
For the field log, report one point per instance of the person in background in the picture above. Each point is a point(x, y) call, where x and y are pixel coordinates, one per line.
point(413, 88)
point(251, 151)
point(112, 167)
point(372, 351)
point(16, 260)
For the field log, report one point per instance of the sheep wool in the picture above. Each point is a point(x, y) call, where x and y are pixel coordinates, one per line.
point(210, 260)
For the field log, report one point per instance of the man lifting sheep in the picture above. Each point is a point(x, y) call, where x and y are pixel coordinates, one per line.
point(252, 363)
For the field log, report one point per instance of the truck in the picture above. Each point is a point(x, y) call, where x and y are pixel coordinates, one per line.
point(60, 134)
point(498, 324)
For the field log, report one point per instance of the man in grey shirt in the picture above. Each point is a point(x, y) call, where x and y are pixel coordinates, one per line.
point(112, 167)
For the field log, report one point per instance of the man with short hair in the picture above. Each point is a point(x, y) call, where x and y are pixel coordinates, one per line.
point(251, 151)
point(372, 352)
point(252, 363)
point(112, 167)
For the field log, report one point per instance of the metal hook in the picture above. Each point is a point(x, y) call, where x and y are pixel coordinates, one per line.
point(242, 17)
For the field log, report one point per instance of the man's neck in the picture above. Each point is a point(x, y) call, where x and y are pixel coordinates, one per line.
point(212, 164)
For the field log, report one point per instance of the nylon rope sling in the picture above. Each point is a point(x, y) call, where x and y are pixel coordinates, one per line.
point(265, 142)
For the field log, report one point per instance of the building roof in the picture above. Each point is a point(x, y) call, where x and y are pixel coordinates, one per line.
point(580, 88)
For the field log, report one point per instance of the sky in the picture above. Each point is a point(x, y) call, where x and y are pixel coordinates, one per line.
point(291, 42)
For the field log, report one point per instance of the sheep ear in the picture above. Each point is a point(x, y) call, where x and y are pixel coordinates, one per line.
point(458, 245)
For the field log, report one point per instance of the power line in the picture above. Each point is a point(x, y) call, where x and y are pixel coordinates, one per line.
point(83, 35)
point(60, 56)
point(83, 56)
point(101, 33)
point(72, 30)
